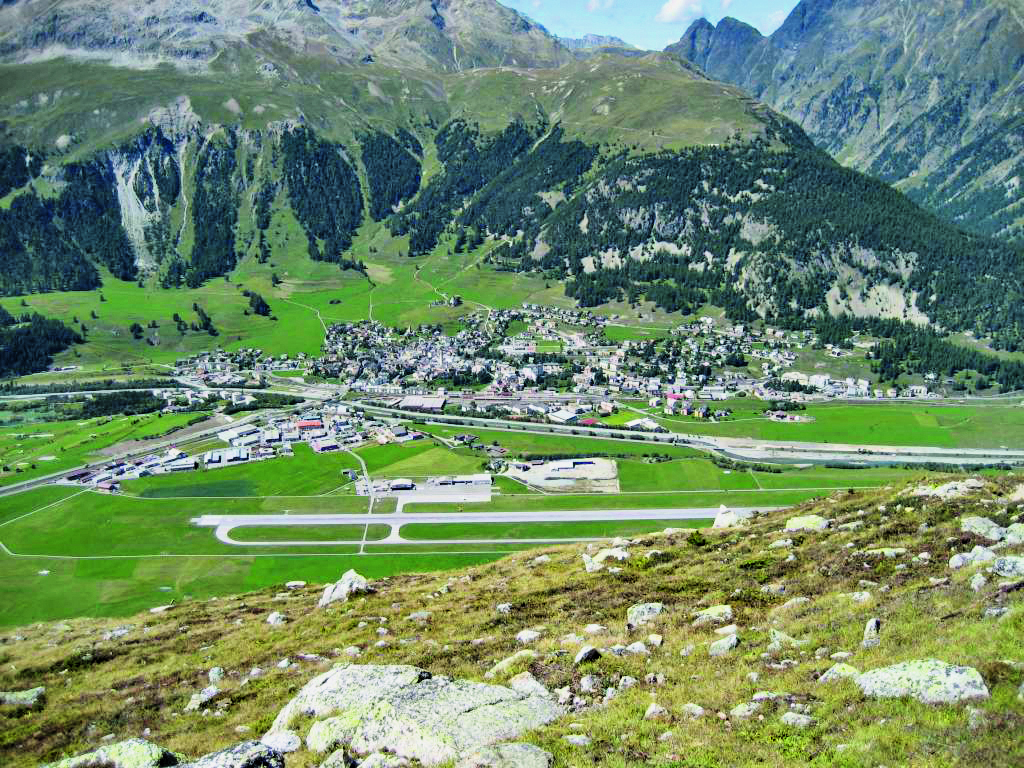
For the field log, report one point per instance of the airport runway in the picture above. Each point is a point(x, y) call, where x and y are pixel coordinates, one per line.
point(223, 524)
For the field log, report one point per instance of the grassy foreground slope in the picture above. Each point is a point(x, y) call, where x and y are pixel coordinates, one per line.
point(98, 684)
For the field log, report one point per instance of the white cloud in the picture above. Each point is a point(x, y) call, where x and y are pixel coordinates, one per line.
point(679, 10)
point(726, 4)
point(599, 5)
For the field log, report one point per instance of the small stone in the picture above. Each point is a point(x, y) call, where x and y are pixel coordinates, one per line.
point(796, 720)
point(655, 640)
point(656, 712)
point(587, 654)
point(871, 633)
point(637, 649)
point(507, 756)
point(978, 581)
point(578, 740)
point(504, 608)
point(716, 614)
point(201, 698)
point(215, 675)
point(743, 711)
point(276, 619)
point(693, 710)
point(723, 646)
point(594, 629)
point(528, 636)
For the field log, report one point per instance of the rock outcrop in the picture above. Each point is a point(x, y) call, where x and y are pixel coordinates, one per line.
point(409, 712)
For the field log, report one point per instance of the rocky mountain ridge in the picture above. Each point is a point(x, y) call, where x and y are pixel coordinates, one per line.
point(444, 35)
point(926, 97)
point(861, 628)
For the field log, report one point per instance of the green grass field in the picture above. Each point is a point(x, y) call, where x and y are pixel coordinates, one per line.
point(484, 531)
point(419, 458)
point(261, 533)
point(519, 443)
point(304, 474)
point(942, 425)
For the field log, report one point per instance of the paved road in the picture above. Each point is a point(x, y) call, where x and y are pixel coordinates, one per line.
point(223, 524)
point(751, 449)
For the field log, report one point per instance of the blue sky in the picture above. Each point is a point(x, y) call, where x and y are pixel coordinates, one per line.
point(649, 24)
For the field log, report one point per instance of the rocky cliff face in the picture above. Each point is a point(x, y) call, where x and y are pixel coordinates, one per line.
point(924, 95)
point(448, 35)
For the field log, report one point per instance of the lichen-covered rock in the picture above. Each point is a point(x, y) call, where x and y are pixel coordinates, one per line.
point(133, 753)
point(796, 720)
point(1015, 534)
point(208, 694)
point(351, 583)
point(983, 527)
point(839, 672)
point(716, 614)
point(723, 646)
point(642, 613)
point(810, 523)
point(30, 699)
point(953, 490)
point(928, 680)
point(974, 557)
point(380, 760)
point(1009, 567)
point(250, 754)
point(507, 756)
point(409, 713)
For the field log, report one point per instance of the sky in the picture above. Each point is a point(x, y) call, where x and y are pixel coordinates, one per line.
point(649, 24)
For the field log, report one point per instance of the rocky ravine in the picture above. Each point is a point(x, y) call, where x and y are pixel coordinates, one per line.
point(864, 629)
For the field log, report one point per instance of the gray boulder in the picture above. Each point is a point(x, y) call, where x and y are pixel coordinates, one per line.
point(30, 699)
point(408, 712)
point(796, 720)
point(133, 753)
point(983, 527)
point(1009, 567)
point(250, 754)
point(974, 557)
point(507, 756)
point(716, 614)
point(351, 583)
point(928, 680)
point(723, 646)
point(643, 613)
point(208, 694)
point(809, 523)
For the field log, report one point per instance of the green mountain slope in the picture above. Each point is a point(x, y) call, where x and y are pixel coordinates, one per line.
point(924, 95)
point(279, 152)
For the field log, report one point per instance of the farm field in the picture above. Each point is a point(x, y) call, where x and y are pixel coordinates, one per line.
point(44, 448)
